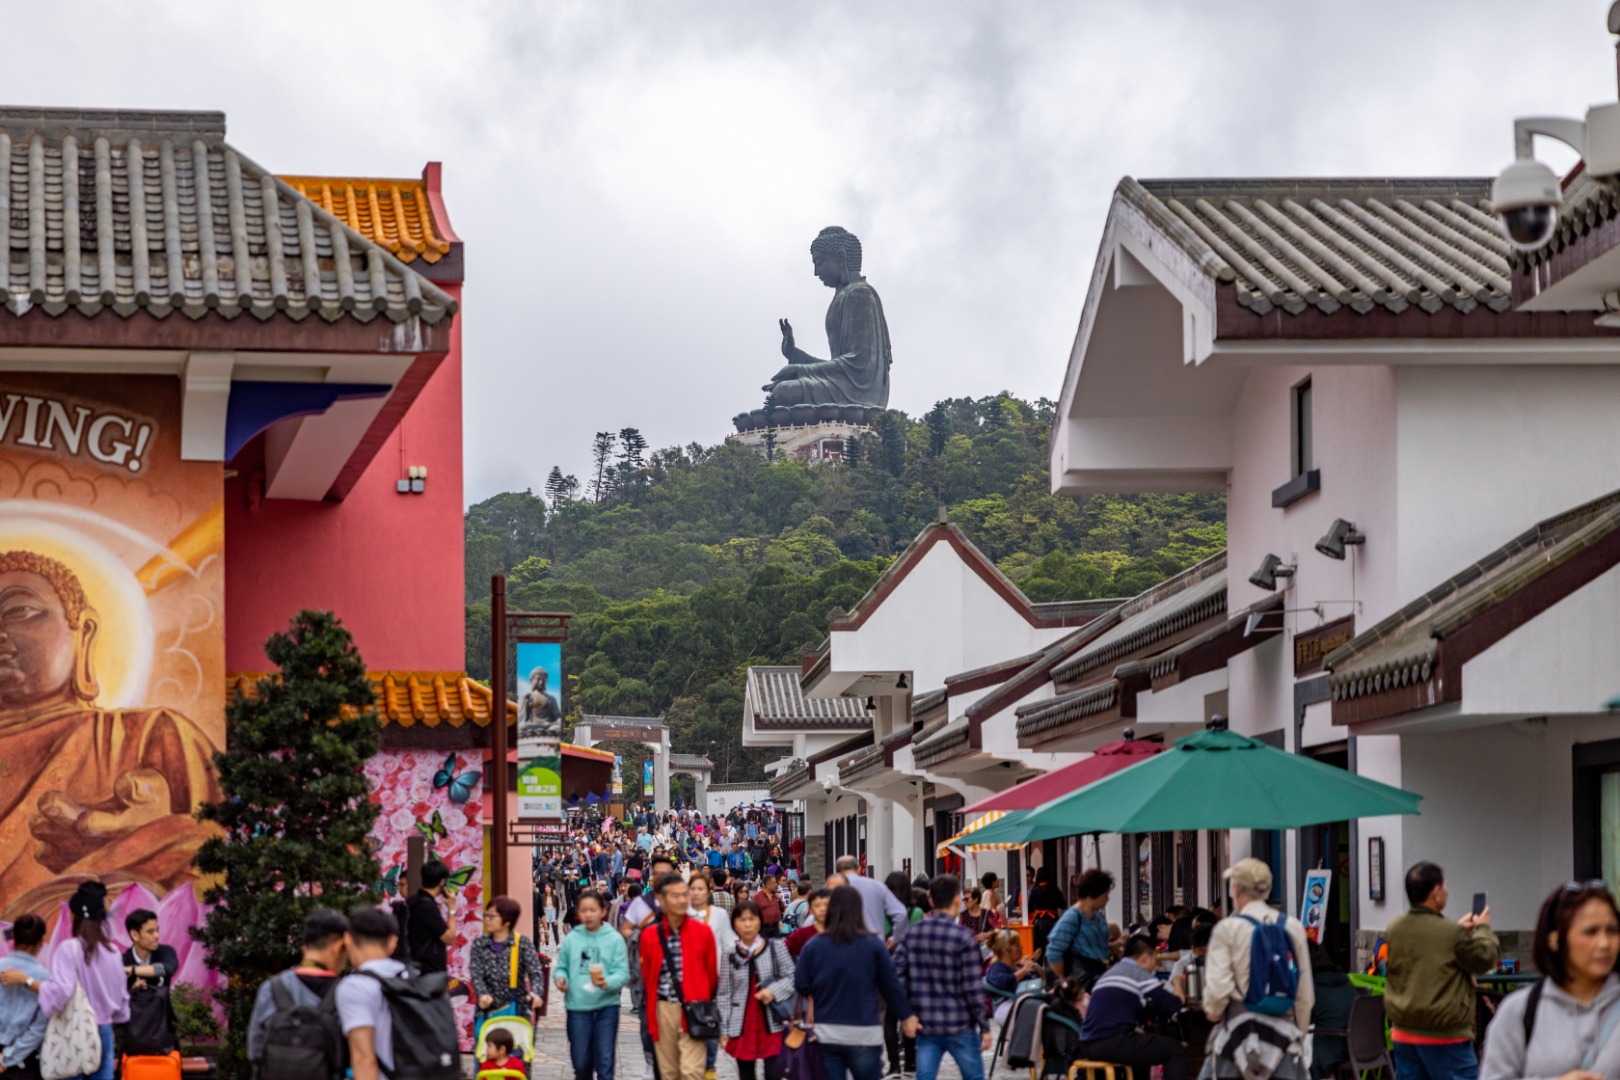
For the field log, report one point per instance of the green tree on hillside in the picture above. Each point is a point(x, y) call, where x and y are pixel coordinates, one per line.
point(725, 558)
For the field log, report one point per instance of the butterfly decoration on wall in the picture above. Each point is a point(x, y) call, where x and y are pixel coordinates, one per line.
point(459, 878)
point(390, 880)
point(433, 827)
point(460, 787)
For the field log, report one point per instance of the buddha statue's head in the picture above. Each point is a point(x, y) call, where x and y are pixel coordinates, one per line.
point(836, 254)
point(47, 630)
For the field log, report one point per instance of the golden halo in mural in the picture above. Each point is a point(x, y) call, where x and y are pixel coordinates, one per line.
point(123, 646)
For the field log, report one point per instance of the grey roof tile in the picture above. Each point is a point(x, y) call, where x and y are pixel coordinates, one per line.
point(156, 212)
point(1402, 649)
point(780, 704)
point(1330, 244)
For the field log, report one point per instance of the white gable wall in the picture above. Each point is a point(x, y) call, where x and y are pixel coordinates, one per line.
point(1486, 452)
point(941, 620)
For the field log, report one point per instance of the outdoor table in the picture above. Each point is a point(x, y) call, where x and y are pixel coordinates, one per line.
point(1490, 990)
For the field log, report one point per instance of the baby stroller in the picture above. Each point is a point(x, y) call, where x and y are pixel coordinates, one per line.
point(1040, 1036)
point(522, 1031)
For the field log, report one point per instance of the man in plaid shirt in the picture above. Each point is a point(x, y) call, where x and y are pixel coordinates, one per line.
point(940, 966)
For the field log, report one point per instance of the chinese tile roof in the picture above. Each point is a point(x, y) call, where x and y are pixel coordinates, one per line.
point(155, 212)
point(942, 744)
point(1045, 715)
point(410, 698)
point(1331, 244)
point(780, 704)
point(691, 762)
point(1407, 649)
point(1191, 597)
point(393, 213)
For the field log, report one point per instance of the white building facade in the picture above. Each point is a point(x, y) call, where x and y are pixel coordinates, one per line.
point(1358, 352)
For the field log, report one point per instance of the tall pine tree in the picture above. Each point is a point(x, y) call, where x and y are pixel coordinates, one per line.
point(601, 450)
point(296, 813)
point(555, 485)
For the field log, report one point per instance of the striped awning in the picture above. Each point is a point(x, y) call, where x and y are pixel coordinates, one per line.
point(961, 842)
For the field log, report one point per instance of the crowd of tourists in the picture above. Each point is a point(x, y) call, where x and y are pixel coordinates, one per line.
point(861, 978)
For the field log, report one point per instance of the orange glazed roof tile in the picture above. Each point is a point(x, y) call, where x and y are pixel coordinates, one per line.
point(393, 213)
point(409, 698)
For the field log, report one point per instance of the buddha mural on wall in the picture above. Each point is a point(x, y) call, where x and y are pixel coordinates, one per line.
point(111, 638)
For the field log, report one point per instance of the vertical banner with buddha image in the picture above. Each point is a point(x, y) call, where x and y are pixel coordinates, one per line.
point(539, 730)
point(112, 644)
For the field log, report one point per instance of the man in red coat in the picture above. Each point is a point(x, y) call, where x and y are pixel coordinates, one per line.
point(693, 968)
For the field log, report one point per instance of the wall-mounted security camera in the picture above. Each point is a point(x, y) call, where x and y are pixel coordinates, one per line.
point(1526, 198)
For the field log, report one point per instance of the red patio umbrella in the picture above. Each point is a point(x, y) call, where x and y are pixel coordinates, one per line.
point(1040, 790)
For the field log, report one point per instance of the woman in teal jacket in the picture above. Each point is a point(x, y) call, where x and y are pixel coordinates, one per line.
point(592, 969)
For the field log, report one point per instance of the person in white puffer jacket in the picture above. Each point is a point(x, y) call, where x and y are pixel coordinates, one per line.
point(1568, 1024)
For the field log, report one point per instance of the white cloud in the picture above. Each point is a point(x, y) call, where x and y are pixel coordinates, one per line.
point(637, 183)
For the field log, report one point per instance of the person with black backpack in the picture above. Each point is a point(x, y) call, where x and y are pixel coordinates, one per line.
point(397, 1020)
point(294, 1032)
point(149, 968)
point(1258, 990)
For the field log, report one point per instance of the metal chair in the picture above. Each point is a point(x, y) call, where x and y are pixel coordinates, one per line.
point(1368, 1050)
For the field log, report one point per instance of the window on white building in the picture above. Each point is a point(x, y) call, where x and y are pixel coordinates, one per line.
point(1304, 456)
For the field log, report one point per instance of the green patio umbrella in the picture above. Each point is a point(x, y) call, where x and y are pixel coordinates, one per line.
point(1216, 779)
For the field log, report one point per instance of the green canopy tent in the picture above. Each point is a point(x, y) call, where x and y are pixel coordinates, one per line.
point(1215, 779)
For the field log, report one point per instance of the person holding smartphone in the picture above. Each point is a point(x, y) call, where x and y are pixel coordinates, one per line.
point(1429, 995)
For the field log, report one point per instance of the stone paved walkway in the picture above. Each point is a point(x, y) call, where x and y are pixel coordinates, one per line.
point(551, 1050)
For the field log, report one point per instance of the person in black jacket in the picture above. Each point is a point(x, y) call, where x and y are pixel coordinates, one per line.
point(150, 966)
point(427, 930)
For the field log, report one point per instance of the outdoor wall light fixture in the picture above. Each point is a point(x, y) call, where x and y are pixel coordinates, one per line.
point(1527, 195)
point(1270, 570)
point(901, 684)
point(1343, 534)
point(414, 482)
point(871, 705)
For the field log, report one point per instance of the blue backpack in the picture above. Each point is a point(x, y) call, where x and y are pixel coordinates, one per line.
point(1273, 969)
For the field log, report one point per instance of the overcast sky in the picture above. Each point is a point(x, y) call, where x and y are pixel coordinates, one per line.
point(637, 183)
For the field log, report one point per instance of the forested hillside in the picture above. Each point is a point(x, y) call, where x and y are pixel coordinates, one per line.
point(686, 565)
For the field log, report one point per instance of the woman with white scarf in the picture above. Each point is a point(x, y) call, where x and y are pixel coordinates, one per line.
point(756, 990)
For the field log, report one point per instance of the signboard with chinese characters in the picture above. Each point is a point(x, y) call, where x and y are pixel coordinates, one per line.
point(539, 730)
point(1311, 646)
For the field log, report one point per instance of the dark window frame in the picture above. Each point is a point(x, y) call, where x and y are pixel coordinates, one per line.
point(1302, 441)
point(1588, 764)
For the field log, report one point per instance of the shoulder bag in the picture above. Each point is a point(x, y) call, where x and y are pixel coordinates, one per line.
point(72, 1045)
point(702, 1017)
point(800, 1057)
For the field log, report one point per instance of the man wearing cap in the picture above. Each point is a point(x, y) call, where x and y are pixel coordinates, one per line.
point(1226, 982)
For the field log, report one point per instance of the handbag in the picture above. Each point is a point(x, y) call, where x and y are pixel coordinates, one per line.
point(702, 1017)
point(800, 1056)
point(72, 1045)
point(782, 1009)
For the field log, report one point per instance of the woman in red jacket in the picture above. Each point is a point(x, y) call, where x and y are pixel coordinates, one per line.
point(692, 975)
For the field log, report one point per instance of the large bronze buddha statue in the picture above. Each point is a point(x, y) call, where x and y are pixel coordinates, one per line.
point(858, 373)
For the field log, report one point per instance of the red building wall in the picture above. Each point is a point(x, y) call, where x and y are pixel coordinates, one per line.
point(389, 565)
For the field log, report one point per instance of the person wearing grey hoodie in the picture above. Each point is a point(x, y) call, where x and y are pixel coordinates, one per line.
point(1568, 1024)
